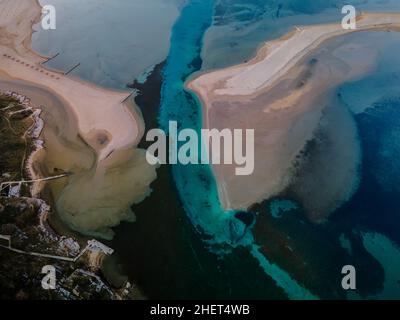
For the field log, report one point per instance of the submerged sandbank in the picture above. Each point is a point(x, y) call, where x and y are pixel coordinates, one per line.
point(89, 131)
point(110, 57)
point(283, 93)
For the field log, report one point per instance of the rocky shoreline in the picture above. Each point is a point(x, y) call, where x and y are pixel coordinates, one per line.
point(33, 243)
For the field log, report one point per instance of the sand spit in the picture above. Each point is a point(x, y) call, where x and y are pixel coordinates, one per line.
point(90, 132)
point(277, 57)
point(283, 93)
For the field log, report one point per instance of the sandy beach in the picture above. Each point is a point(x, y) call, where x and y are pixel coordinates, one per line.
point(99, 111)
point(284, 94)
point(89, 130)
point(276, 57)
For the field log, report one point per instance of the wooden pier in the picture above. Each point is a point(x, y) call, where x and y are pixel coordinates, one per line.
point(130, 95)
point(72, 69)
point(51, 58)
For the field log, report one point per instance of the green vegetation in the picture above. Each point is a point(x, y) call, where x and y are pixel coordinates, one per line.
point(21, 274)
point(19, 219)
point(14, 122)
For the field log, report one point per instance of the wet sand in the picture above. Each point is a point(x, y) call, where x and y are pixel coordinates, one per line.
point(172, 261)
point(282, 93)
point(89, 131)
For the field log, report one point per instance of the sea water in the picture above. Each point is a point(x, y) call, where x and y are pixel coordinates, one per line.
point(115, 41)
point(241, 26)
point(373, 208)
point(195, 183)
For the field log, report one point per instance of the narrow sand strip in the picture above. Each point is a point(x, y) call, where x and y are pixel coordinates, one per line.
point(282, 96)
point(89, 131)
point(276, 57)
point(100, 112)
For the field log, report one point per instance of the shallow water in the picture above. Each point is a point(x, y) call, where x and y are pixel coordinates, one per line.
point(166, 256)
point(195, 183)
point(115, 41)
point(211, 219)
point(241, 26)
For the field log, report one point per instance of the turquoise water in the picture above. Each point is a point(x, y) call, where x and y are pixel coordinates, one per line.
point(195, 183)
point(241, 26)
point(201, 39)
point(279, 207)
point(282, 278)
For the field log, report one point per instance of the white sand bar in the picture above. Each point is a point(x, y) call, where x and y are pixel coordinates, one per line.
point(99, 111)
point(109, 173)
point(281, 96)
point(277, 57)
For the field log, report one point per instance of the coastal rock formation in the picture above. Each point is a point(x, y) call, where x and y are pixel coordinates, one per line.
point(90, 132)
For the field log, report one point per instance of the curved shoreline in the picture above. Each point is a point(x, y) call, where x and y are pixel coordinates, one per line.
point(20, 61)
point(107, 124)
point(291, 47)
point(261, 76)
